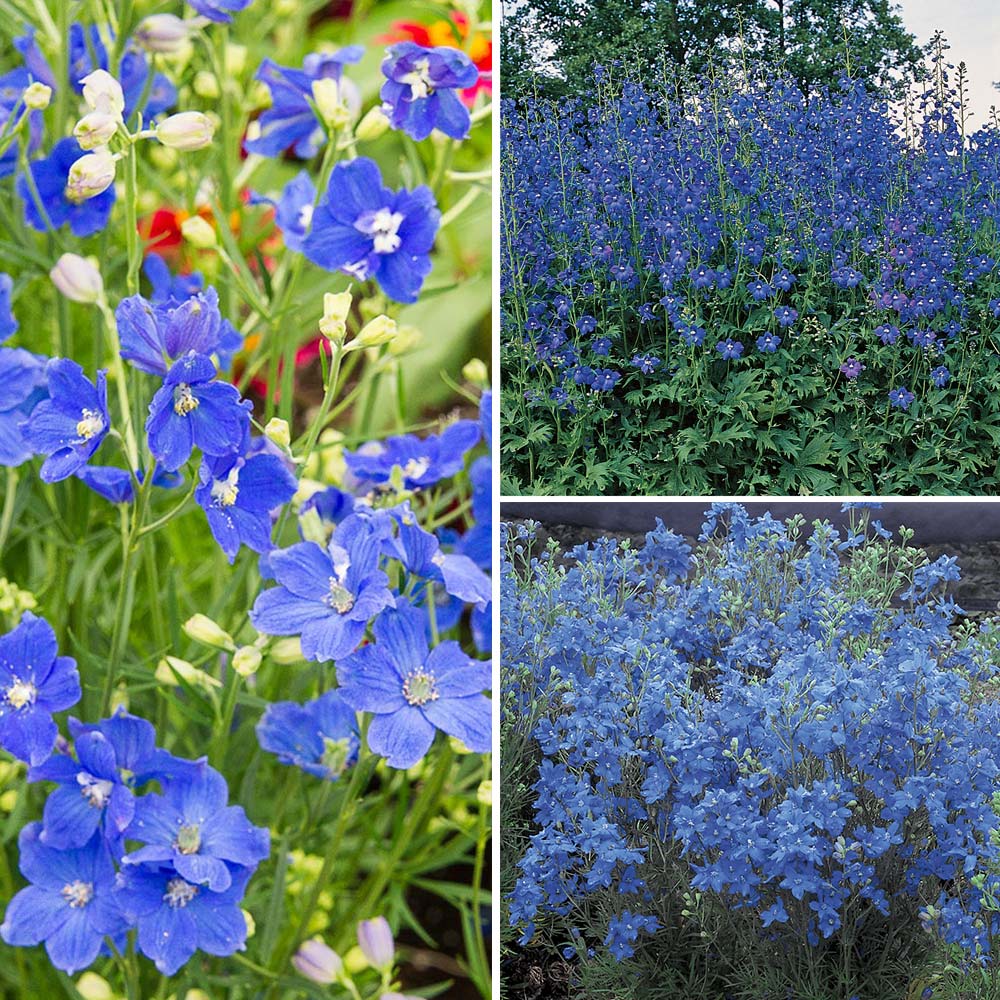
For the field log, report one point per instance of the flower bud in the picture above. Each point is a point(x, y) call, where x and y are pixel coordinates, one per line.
point(326, 94)
point(378, 331)
point(206, 85)
point(318, 962)
point(198, 232)
point(103, 93)
point(336, 309)
point(90, 175)
point(375, 939)
point(236, 59)
point(170, 668)
point(476, 372)
point(277, 430)
point(407, 337)
point(186, 131)
point(202, 629)
point(95, 129)
point(246, 661)
point(78, 279)
point(37, 96)
point(374, 124)
point(164, 33)
point(91, 986)
point(286, 651)
point(119, 698)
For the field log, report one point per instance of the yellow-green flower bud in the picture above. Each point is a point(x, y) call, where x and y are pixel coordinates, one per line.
point(378, 331)
point(336, 309)
point(199, 232)
point(277, 430)
point(202, 629)
point(246, 661)
point(374, 124)
point(186, 131)
point(37, 96)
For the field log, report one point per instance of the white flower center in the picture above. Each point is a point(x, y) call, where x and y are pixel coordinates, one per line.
point(339, 597)
point(90, 423)
point(188, 839)
point(184, 401)
point(416, 467)
point(419, 80)
point(225, 491)
point(21, 693)
point(305, 216)
point(420, 687)
point(95, 790)
point(383, 227)
point(78, 894)
point(179, 893)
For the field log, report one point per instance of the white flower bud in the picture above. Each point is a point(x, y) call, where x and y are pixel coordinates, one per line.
point(78, 279)
point(476, 372)
point(170, 668)
point(37, 96)
point(374, 124)
point(90, 176)
point(246, 661)
point(318, 961)
point(336, 309)
point(103, 92)
point(95, 129)
point(198, 232)
point(164, 33)
point(277, 430)
point(378, 331)
point(329, 99)
point(286, 651)
point(186, 131)
point(202, 629)
point(206, 85)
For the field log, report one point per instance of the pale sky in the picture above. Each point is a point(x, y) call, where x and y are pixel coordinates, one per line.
point(973, 31)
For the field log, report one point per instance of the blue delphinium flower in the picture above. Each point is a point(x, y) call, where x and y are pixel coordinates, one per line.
point(423, 461)
point(290, 122)
point(646, 363)
point(176, 917)
point(166, 288)
point(50, 176)
point(8, 322)
point(940, 376)
point(153, 336)
point(413, 691)
point(238, 495)
point(901, 398)
point(768, 343)
point(69, 904)
point(785, 315)
point(70, 425)
point(22, 387)
point(321, 736)
point(605, 379)
point(12, 87)
point(327, 596)
point(191, 409)
point(191, 827)
point(294, 210)
point(852, 368)
point(420, 91)
point(116, 485)
point(368, 231)
point(220, 10)
point(34, 682)
point(729, 349)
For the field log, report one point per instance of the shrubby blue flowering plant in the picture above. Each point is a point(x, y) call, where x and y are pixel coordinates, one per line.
point(220, 263)
point(779, 746)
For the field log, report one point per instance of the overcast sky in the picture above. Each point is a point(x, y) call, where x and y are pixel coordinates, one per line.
point(973, 30)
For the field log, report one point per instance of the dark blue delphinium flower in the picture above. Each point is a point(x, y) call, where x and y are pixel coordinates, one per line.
point(112, 758)
point(238, 495)
point(8, 322)
point(116, 485)
point(70, 425)
point(22, 386)
point(12, 86)
point(423, 461)
point(153, 336)
point(940, 376)
point(413, 691)
point(605, 379)
point(901, 397)
point(785, 315)
point(368, 231)
point(191, 827)
point(50, 176)
point(34, 682)
point(887, 334)
point(290, 122)
point(167, 288)
point(768, 343)
point(321, 736)
point(220, 10)
point(760, 290)
point(69, 904)
point(327, 596)
point(420, 91)
point(176, 917)
point(729, 349)
point(192, 409)
point(852, 368)
point(601, 346)
point(646, 363)
point(294, 210)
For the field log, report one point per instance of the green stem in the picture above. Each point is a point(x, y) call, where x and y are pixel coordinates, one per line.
point(9, 497)
point(132, 223)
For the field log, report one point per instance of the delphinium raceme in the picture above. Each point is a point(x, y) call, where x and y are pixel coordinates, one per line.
point(806, 268)
point(244, 537)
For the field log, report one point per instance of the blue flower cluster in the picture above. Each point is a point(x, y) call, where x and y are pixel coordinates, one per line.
point(193, 854)
point(785, 728)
